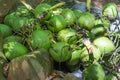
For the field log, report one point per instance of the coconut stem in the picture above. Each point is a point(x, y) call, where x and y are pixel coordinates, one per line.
point(57, 5)
point(27, 5)
point(88, 5)
point(86, 42)
point(53, 41)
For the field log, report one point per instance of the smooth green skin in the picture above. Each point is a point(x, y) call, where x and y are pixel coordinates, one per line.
point(105, 22)
point(69, 16)
point(98, 30)
point(98, 21)
point(84, 56)
point(60, 51)
point(94, 72)
point(49, 33)
point(5, 30)
point(9, 18)
point(67, 35)
point(75, 57)
point(14, 49)
point(18, 22)
point(110, 10)
point(13, 38)
point(104, 44)
point(77, 13)
point(56, 23)
point(86, 21)
point(41, 8)
point(39, 39)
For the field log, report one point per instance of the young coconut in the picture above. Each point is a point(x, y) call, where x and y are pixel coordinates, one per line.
point(93, 72)
point(40, 39)
point(110, 11)
point(5, 30)
point(104, 44)
point(86, 21)
point(56, 23)
point(60, 51)
point(75, 57)
point(69, 16)
point(14, 49)
point(67, 35)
